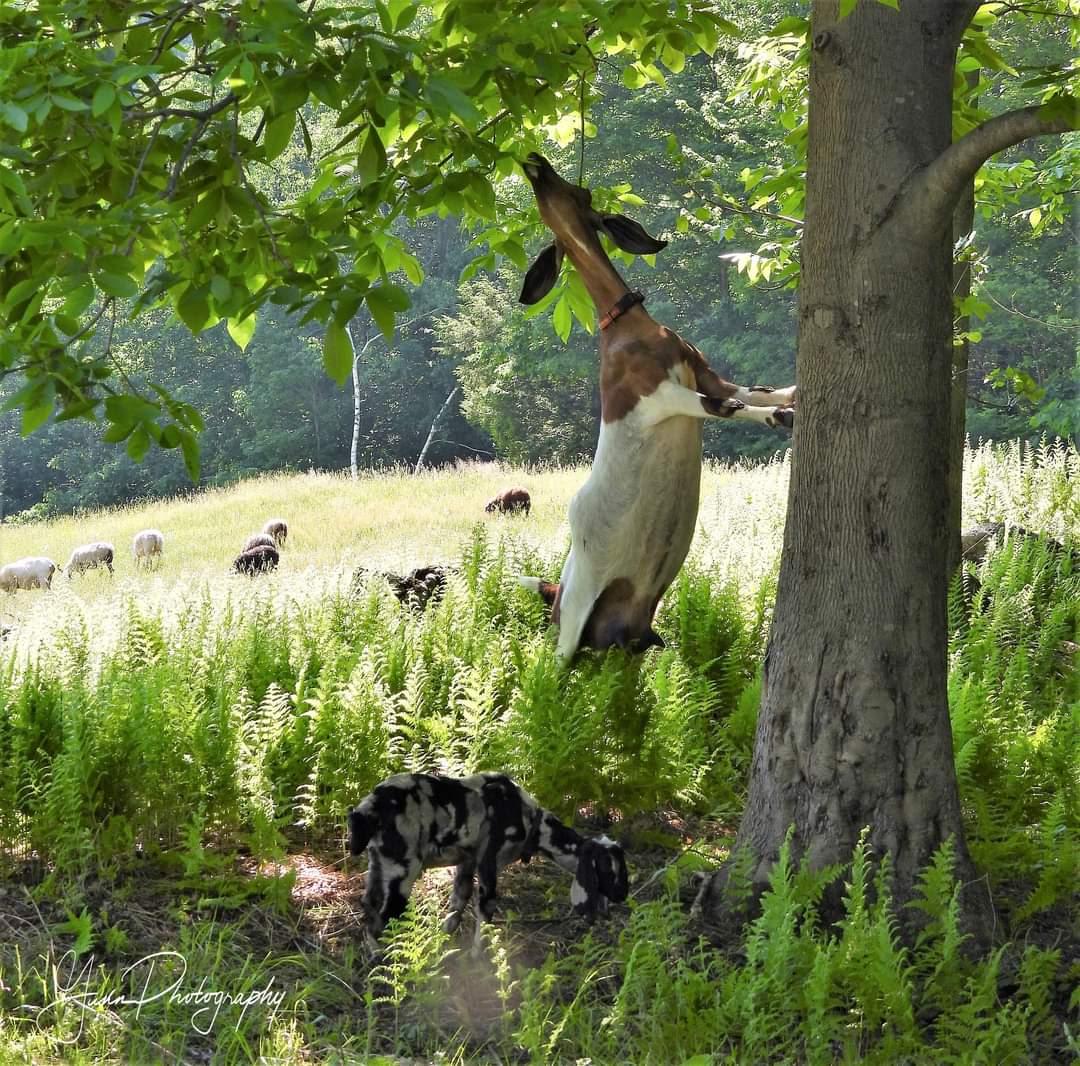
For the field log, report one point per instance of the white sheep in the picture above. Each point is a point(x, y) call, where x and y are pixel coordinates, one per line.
point(257, 540)
point(278, 528)
point(148, 546)
point(35, 572)
point(90, 557)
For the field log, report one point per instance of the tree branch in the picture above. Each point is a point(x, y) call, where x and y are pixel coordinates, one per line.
point(933, 193)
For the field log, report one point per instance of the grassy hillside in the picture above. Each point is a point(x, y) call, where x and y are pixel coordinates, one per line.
point(177, 751)
point(391, 521)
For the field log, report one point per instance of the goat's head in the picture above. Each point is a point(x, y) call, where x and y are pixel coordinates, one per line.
point(600, 877)
point(568, 212)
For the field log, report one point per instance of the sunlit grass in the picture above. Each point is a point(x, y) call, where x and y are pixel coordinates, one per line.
point(259, 710)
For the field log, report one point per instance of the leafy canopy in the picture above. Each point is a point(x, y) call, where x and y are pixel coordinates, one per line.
point(132, 135)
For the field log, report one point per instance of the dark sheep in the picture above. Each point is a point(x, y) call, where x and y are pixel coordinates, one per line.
point(510, 501)
point(481, 823)
point(258, 560)
point(415, 589)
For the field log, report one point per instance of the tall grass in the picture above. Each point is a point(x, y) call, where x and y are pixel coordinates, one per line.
point(199, 720)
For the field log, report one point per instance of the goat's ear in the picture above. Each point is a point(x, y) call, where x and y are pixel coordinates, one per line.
point(542, 274)
point(361, 830)
point(629, 236)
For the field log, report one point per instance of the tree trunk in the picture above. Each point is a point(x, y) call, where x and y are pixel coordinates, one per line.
point(355, 447)
point(854, 726)
point(963, 220)
point(434, 425)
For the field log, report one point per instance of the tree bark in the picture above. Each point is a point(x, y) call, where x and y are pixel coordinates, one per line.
point(854, 727)
point(434, 425)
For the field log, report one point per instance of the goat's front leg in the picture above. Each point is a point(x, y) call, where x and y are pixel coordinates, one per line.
point(765, 396)
point(463, 890)
point(671, 399)
point(776, 402)
point(389, 884)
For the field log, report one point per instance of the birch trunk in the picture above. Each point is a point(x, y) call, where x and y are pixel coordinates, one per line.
point(434, 426)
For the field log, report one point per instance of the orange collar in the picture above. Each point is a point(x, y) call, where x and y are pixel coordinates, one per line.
point(622, 307)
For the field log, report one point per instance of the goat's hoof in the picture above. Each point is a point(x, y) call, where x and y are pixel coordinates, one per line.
point(451, 923)
point(722, 408)
point(761, 388)
point(785, 417)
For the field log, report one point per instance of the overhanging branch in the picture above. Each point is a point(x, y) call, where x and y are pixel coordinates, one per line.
point(933, 194)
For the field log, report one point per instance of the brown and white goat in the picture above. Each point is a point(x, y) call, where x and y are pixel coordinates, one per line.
point(632, 522)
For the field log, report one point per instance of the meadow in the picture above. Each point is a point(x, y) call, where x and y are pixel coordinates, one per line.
point(178, 749)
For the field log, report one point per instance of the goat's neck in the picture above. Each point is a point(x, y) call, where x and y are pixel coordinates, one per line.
point(601, 279)
point(559, 842)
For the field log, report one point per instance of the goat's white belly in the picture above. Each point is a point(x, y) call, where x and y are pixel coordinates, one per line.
point(635, 516)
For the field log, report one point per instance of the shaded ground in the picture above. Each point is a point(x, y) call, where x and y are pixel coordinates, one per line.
point(241, 930)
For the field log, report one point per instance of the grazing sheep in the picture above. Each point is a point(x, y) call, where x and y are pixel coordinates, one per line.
point(278, 528)
point(416, 589)
point(148, 547)
point(34, 572)
point(411, 822)
point(510, 501)
point(258, 560)
point(257, 539)
point(90, 557)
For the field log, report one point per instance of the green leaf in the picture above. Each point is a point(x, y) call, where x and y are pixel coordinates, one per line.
point(383, 302)
point(189, 445)
point(103, 98)
point(138, 443)
point(371, 159)
point(35, 417)
point(116, 285)
point(130, 409)
point(79, 300)
point(15, 117)
point(67, 103)
point(241, 330)
point(117, 432)
point(278, 134)
point(83, 928)
point(220, 288)
point(447, 99)
point(561, 318)
point(338, 352)
point(193, 308)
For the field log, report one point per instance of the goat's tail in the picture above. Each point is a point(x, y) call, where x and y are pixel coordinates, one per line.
point(362, 826)
point(546, 590)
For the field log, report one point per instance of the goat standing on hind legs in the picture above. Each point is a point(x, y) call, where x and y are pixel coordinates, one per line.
point(632, 522)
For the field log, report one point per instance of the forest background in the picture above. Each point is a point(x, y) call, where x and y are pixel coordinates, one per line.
point(687, 155)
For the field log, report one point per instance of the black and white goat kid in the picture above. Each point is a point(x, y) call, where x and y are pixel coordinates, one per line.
point(481, 823)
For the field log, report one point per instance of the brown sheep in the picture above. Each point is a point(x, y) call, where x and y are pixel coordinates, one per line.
point(510, 501)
